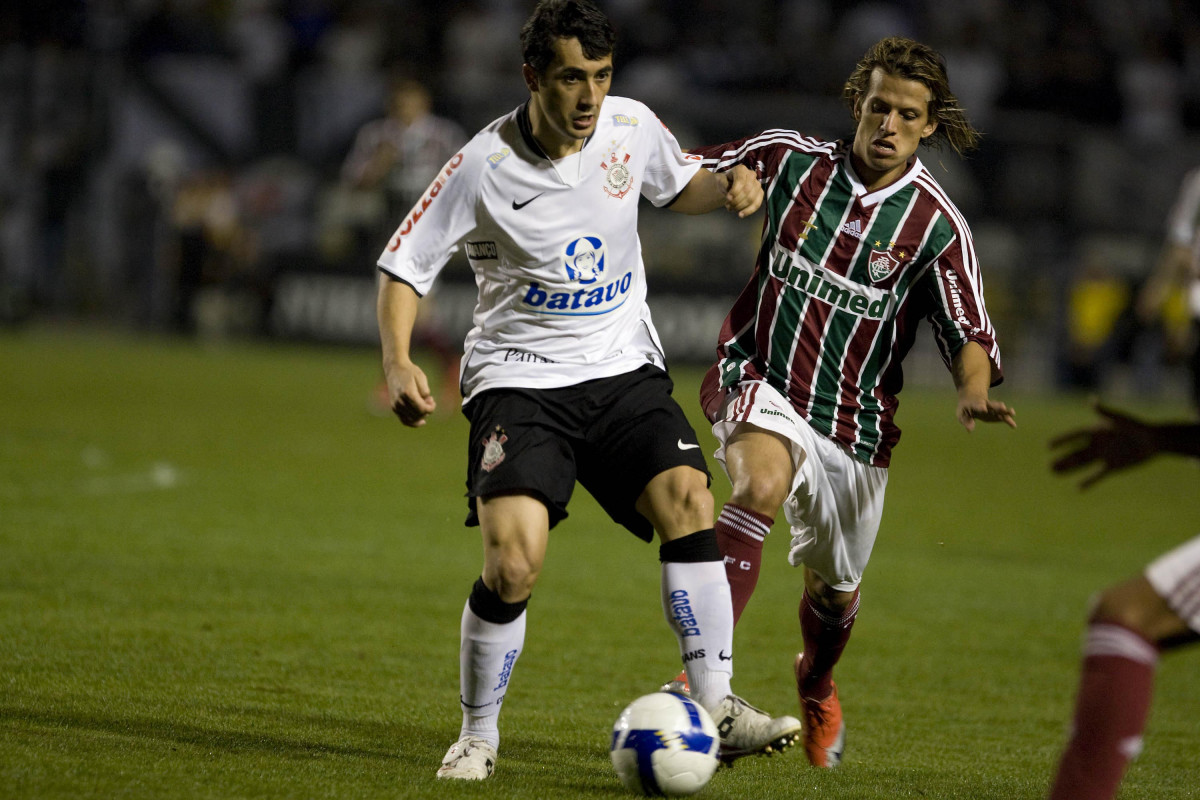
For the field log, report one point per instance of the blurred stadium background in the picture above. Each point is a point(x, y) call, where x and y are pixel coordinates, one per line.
point(177, 165)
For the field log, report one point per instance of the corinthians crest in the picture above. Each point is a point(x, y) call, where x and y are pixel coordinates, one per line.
point(881, 264)
point(617, 177)
point(493, 449)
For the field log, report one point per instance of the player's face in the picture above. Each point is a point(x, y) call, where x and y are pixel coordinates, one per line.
point(893, 118)
point(565, 100)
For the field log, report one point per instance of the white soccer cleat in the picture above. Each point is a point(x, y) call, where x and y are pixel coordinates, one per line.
point(469, 759)
point(746, 730)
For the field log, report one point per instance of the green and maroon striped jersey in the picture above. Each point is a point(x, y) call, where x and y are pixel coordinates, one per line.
point(843, 278)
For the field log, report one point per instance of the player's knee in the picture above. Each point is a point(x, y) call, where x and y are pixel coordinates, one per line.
point(678, 500)
point(512, 574)
point(1118, 605)
point(692, 502)
point(763, 492)
point(826, 598)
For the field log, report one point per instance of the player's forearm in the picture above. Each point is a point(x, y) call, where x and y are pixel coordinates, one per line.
point(705, 192)
point(396, 308)
point(972, 371)
point(1181, 438)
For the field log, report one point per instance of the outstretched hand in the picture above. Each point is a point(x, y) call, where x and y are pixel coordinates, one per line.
point(1121, 442)
point(984, 410)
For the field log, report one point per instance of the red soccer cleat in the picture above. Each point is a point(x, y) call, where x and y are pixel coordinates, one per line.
point(824, 729)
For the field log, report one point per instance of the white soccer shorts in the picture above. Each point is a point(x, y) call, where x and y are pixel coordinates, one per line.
point(836, 501)
point(1175, 575)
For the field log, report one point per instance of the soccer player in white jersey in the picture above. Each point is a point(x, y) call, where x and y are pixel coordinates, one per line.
point(1179, 266)
point(563, 375)
point(1130, 624)
point(859, 245)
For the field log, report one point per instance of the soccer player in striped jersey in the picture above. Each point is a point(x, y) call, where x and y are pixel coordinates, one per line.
point(1131, 623)
point(563, 375)
point(859, 245)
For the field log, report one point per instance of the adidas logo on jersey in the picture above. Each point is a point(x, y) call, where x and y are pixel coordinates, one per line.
point(853, 228)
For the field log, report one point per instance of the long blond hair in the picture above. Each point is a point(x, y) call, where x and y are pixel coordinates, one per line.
point(914, 61)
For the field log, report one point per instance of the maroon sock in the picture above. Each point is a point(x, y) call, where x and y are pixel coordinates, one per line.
point(825, 638)
point(1115, 688)
point(740, 535)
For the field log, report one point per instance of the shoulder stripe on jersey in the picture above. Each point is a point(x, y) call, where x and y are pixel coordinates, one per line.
point(955, 216)
point(787, 138)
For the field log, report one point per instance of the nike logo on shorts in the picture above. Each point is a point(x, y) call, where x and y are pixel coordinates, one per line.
point(518, 206)
point(683, 446)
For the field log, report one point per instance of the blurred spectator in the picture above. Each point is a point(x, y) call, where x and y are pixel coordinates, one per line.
point(392, 162)
point(479, 61)
point(974, 63)
point(207, 237)
point(1151, 84)
point(1097, 305)
point(1172, 292)
point(263, 43)
point(147, 223)
point(59, 147)
point(860, 25)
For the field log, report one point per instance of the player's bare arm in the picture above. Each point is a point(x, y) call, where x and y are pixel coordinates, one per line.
point(408, 388)
point(737, 189)
point(972, 370)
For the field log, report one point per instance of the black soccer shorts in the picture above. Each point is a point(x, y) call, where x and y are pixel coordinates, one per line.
point(611, 434)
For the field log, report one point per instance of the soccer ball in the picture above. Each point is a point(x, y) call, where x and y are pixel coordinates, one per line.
point(664, 744)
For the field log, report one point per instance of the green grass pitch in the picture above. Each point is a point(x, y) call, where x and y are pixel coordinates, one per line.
point(221, 577)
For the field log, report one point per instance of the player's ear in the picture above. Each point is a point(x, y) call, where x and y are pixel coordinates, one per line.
point(531, 77)
point(929, 128)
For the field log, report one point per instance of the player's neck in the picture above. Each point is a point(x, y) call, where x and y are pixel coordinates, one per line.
point(552, 145)
point(554, 148)
point(874, 180)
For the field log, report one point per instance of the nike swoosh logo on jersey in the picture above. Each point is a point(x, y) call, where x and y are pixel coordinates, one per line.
point(518, 206)
point(683, 446)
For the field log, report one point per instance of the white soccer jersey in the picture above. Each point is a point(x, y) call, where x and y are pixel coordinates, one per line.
point(1183, 228)
point(553, 245)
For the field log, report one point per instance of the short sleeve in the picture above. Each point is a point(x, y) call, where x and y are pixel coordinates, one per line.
point(668, 168)
point(434, 228)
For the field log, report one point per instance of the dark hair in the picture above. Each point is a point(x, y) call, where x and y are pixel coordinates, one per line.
point(565, 19)
point(914, 61)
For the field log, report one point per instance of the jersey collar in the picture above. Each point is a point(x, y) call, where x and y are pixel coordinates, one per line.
point(879, 195)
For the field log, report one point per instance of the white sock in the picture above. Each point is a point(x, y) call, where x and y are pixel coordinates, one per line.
point(486, 656)
point(697, 604)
